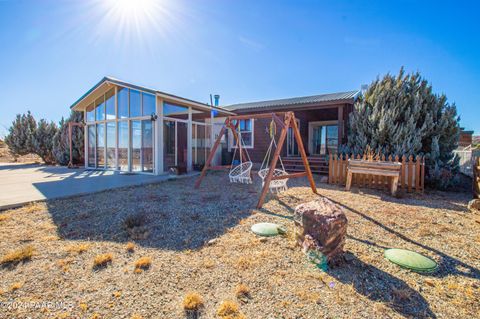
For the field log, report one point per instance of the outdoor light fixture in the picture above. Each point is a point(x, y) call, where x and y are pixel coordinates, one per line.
point(153, 117)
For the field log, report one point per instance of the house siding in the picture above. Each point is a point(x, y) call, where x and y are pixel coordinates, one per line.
point(261, 127)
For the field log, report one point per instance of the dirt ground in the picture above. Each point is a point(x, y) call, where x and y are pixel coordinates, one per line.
point(200, 241)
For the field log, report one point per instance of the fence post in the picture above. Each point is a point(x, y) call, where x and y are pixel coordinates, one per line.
point(410, 173)
point(330, 168)
point(404, 165)
point(417, 174)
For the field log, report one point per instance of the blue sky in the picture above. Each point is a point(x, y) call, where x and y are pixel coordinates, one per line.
point(54, 51)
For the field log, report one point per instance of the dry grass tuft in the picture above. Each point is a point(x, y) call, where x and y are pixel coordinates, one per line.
point(135, 316)
point(402, 294)
point(34, 207)
point(193, 302)
point(242, 291)
point(15, 257)
point(102, 261)
point(130, 247)
point(83, 306)
point(64, 264)
point(15, 286)
point(77, 248)
point(4, 217)
point(208, 263)
point(229, 309)
point(244, 263)
point(143, 263)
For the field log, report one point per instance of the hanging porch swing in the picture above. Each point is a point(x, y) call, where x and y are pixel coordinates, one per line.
point(276, 185)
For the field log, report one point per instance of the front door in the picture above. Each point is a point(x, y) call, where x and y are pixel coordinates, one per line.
point(322, 138)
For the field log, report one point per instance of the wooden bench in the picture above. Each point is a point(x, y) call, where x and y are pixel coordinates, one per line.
point(388, 169)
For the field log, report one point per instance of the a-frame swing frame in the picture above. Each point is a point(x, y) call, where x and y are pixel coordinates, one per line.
point(288, 121)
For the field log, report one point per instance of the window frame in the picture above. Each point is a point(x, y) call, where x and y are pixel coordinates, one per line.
point(252, 131)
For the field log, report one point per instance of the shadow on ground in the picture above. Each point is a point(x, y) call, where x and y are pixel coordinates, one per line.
point(170, 215)
point(380, 286)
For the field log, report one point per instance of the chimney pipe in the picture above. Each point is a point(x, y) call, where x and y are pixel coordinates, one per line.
point(217, 99)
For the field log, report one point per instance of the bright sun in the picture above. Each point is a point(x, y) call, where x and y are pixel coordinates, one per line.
point(137, 18)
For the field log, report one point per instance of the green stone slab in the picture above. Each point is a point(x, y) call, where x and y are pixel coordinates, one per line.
point(267, 229)
point(411, 260)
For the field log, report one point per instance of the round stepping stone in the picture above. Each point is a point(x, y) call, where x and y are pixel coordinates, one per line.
point(267, 229)
point(410, 260)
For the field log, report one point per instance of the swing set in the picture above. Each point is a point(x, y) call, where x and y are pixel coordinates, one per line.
point(273, 178)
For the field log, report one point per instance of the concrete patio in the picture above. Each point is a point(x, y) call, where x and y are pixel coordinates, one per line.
point(24, 183)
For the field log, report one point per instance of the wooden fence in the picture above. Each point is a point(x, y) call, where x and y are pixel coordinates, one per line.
point(476, 177)
point(412, 173)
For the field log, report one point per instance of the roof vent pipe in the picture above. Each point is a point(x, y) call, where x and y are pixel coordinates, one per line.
point(217, 99)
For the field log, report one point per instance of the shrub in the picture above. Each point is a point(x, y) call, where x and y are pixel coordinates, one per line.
point(15, 257)
point(242, 291)
point(229, 309)
point(15, 286)
point(43, 141)
point(102, 261)
point(61, 143)
point(192, 302)
point(20, 136)
point(77, 248)
point(400, 115)
point(130, 247)
point(143, 263)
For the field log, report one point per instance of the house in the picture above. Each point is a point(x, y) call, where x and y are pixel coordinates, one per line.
point(132, 128)
point(321, 120)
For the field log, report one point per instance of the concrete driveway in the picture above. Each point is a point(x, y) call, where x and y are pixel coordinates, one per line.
point(24, 183)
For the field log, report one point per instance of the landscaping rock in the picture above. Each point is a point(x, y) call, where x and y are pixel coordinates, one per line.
point(474, 205)
point(321, 225)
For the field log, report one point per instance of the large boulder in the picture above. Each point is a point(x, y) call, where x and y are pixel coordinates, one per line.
point(321, 225)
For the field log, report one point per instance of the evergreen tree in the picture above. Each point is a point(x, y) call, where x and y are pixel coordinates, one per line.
point(43, 141)
point(20, 136)
point(400, 115)
point(61, 144)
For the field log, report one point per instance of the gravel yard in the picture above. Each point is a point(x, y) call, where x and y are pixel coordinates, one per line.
point(200, 241)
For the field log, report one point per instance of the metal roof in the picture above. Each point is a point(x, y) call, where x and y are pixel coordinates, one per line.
point(296, 101)
point(141, 88)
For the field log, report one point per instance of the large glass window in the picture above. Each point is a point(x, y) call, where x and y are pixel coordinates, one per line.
point(122, 101)
point(101, 145)
point(91, 113)
point(123, 141)
point(91, 145)
point(100, 109)
point(135, 103)
point(136, 159)
point(169, 137)
point(110, 104)
point(175, 111)
point(111, 144)
point(147, 146)
point(148, 104)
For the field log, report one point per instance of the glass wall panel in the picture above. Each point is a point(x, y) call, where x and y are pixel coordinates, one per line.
point(100, 109)
point(136, 160)
point(148, 104)
point(168, 144)
point(135, 103)
point(147, 146)
point(110, 104)
point(123, 141)
point(122, 100)
point(175, 111)
point(101, 145)
point(332, 138)
point(91, 145)
point(91, 113)
point(111, 144)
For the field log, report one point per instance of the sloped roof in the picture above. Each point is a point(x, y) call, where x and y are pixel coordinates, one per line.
point(296, 101)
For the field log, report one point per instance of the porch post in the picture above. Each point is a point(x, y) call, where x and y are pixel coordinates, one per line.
point(189, 140)
point(159, 136)
point(340, 125)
